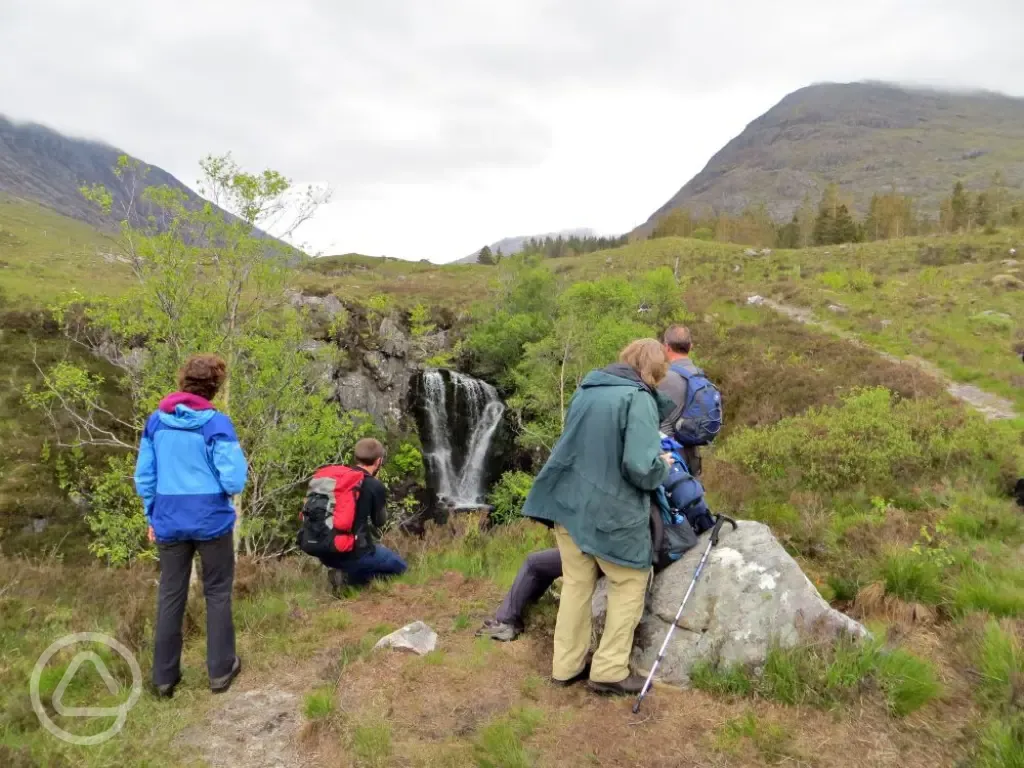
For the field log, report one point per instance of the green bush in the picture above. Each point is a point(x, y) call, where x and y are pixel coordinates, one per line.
point(871, 441)
point(405, 463)
point(508, 496)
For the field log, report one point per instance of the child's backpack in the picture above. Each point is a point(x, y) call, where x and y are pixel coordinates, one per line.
point(329, 512)
point(684, 492)
point(701, 419)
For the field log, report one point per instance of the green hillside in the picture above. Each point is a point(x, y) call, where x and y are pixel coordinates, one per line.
point(43, 254)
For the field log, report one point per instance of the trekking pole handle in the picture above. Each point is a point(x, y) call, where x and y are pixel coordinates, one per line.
point(719, 519)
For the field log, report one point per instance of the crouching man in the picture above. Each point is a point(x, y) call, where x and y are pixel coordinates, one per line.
point(342, 519)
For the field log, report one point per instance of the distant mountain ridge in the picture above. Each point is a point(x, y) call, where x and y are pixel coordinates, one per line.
point(49, 168)
point(510, 245)
point(865, 137)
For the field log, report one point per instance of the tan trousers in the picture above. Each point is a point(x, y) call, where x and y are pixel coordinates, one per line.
point(626, 589)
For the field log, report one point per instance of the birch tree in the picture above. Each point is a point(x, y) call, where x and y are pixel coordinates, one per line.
point(204, 282)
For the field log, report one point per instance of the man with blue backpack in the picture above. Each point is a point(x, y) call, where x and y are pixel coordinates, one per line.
point(679, 512)
point(697, 418)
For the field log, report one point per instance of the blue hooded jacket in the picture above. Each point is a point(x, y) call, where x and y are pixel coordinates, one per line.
point(189, 466)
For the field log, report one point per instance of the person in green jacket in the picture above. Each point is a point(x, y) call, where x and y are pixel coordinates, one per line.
point(595, 491)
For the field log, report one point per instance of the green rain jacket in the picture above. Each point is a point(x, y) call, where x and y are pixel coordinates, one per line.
point(602, 470)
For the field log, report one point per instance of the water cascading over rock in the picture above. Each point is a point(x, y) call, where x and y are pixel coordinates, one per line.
point(458, 417)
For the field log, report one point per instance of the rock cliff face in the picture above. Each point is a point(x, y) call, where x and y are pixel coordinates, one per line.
point(375, 360)
point(376, 366)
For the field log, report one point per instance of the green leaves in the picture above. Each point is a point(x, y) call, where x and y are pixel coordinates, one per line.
point(868, 441)
point(205, 282)
point(509, 495)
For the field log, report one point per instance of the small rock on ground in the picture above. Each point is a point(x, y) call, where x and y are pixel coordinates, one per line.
point(416, 637)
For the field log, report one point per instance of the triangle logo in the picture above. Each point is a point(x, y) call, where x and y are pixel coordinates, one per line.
point(101, 668)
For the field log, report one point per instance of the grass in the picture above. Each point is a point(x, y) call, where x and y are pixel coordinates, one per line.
point(43, 254)
point(722, 681)
point(769, 740)
point(319, 704)
point(499, 744)
point(1001, 744)
point(829, 676)
point(912, 577)
point(1000, 660)
point(371, 744)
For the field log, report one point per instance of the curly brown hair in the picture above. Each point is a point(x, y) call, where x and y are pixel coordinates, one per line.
point(203, 375)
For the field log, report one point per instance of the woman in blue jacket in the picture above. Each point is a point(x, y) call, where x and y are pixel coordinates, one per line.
point(189, 466)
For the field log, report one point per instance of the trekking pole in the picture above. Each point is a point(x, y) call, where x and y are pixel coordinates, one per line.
point(713, 541)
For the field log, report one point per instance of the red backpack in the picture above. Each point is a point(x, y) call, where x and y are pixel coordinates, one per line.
point(328, 514)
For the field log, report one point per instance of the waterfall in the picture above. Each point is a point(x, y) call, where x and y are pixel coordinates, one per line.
point(459, 467)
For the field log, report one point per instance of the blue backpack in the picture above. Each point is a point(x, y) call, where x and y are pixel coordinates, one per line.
point(684, 512)
point(701, 419)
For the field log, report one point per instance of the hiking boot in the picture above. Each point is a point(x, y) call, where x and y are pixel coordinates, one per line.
point(631, 686)
point(221, 684)
point(583, 674)
point(337, 580)
point(166, 691)
point(498, 630)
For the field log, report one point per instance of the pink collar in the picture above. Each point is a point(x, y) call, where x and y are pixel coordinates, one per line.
point(193, 402)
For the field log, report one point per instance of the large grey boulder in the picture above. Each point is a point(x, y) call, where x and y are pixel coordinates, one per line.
point(751, 595)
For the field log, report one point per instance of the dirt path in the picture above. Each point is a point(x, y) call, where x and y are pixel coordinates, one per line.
point(255, 728)
point(989, 405)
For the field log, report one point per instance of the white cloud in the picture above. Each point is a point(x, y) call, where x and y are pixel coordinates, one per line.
point(448, 124)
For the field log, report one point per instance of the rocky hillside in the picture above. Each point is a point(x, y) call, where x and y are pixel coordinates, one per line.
point(43, 166)
point(866, 137)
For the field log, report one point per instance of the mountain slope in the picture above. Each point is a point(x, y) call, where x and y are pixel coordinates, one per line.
point(510, 245)
point(867, 137)
point(46, 167)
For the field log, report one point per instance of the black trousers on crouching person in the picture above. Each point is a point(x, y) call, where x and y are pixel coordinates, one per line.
point(535, 576)
point(217, 558)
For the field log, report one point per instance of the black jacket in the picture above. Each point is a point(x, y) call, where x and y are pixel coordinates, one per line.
point(371, 514)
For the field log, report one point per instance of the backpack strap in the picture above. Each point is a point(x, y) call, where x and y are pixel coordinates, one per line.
point(686, 373)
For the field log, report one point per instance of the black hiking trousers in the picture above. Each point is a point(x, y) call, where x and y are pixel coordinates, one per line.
point(217, 560)
point(536, 574)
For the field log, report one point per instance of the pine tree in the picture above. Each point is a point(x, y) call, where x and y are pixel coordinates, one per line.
point(844, 228)
point(959, 208)
point(485, 256)
point(789, 234)
point(824, 227)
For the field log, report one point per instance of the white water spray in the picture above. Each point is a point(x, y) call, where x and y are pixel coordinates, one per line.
point(464, 485)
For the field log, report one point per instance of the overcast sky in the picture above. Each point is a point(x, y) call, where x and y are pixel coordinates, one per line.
point(446, 124)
